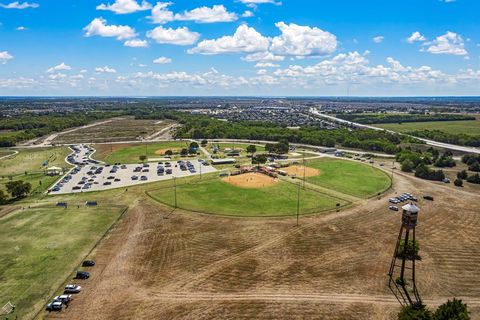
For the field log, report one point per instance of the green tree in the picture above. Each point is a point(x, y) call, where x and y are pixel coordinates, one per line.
point(142, 157)
point(415, 313)
point(168, 152)
point(18, 189)
point(184, 152)
point(251, 149)
point(3, 197)
point(458, 182)
point(475, 167)
point(204, 143)
point(474, 179)
point(407, 166)
point(259, 159)
point(462, 175)
point(452, 310)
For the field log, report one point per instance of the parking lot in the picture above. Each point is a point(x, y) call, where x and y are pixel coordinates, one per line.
point(90, 175)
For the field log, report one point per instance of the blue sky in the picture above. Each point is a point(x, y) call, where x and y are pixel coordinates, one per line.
point(240, 47)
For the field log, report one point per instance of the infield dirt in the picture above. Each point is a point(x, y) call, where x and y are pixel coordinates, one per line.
point(251, 180)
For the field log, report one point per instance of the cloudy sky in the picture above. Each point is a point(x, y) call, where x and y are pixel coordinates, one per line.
point(240, 47)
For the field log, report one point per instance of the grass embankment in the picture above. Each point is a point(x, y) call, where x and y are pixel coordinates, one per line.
point(218, 197)
point(41, 246)
point(349, 177)
point(470, 127)
point(130, 153)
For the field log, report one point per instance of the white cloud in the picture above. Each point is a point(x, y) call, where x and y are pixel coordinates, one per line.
point(218, 13)
point(262, 72)
point(266, 65)
point(245, 39)
point(136, 43)
point(61, 66)
point(57, 76)
point(264, 56)
point(253, 3)
point(247, 14)
point(378, 39)
point(20, 28)
point(161, 14)
point(19, 5)
point(180, 36)
point(98, 27)
point(125, 6)
point(105, 69)
point(416, 36)
point(449, 43)
point(5, 56)
point(162, 60)
point(298, 40)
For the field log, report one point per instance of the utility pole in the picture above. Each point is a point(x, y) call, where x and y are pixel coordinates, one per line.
point(298, 203)
point(304, 170)
point(175, 190)
point(200, 164)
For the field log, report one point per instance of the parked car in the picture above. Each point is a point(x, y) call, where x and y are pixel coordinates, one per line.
point(72, 288)
point(54, 306)
point(82, 275)
point(88, 263)
point(394, 208)
point(64, 298)
point(429, 198)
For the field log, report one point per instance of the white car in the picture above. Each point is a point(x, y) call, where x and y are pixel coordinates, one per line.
point(64, 298)
point(72, 288)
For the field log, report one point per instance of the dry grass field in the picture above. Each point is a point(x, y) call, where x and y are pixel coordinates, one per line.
point(159, 264)
point(121, 129)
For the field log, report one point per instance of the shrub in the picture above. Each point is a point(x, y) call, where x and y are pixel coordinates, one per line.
point(415, 313)
point(452, 310)
point(462, 175)
point(458, 182)
point(474, 179)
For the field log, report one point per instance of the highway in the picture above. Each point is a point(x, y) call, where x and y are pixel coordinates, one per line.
point(315, 112)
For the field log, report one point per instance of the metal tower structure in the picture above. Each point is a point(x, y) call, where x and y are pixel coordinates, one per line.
point(402, 269)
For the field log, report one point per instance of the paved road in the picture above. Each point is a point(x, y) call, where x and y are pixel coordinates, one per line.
point(315, 112)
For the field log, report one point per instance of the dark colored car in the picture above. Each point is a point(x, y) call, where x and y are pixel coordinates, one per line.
point(54, 306)
point(82, 275)
point(430, 198)
point(88, 263)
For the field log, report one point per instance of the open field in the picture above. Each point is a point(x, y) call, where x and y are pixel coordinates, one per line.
point(123, 129)
point(5, 152)
point(180, 265)
point(454, 127)
point(41, 246)
point(130, 152)
point(349, 177)
point(220, 196)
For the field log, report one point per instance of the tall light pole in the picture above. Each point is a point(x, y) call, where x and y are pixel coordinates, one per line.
point(175, 190)
point(304, 169)
point(298, 203)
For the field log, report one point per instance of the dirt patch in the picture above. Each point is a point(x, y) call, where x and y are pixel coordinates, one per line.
point(161, 152)
point(251, 180)
point(299, 171)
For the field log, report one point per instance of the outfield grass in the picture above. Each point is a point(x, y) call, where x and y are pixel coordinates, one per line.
point(41, 246)
point(131, 154)
point(40, 182)
point(349, 177)
point(471, 127)
point(28, 160)
point(218, 197)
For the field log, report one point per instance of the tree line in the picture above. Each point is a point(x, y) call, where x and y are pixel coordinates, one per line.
point(461, 139)
point(401, 118)
point(204, 127)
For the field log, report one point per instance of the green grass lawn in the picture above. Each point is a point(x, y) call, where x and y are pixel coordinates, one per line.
point(41, 246)
point(131, 154)
point(349, 177)
point(40, 182)
point(32, 159)
point(454, 127)
point(219, 197)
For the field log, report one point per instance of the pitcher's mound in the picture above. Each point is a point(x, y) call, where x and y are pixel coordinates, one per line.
point(161, 152)
point(251, 180)
point(299, 170)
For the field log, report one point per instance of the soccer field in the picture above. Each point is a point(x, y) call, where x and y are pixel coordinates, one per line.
point(471, 127)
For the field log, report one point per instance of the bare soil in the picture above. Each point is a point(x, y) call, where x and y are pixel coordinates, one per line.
point(162, 265)
point(251, 180)
point(299, 171)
